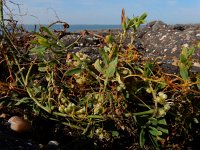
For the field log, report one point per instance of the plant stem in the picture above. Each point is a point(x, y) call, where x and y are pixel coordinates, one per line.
point(148, 112)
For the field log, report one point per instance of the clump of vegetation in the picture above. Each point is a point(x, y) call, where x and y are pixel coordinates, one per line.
point(114, 95)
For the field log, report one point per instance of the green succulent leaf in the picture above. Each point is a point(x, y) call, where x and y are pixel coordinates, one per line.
point(23, 100)
point(110, 71)
point(142, 138)
point(153, 121)
point(183, 58)
point(37, 89)
point(155, 132)
point(43, 41)
point(184, 51)
point(39, 51)
point(162, 121)
point(115, 134)
point(163, 130)
point(104, 56)
point(47, 30)
point(109, 39)
point(42, 69)
point(73, 71)
point(130, 23)
point(191, 52)
point(148, 69)
point(183, 71)
point(143, 17)
point(160, 86)
point(98, 67)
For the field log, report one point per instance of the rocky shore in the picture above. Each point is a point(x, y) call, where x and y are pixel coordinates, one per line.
point(166, 41)
point(156, 40)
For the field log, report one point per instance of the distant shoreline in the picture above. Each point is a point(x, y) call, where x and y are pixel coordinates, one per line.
point(72, 28)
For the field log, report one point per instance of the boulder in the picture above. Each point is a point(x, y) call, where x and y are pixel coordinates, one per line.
point(165, 42)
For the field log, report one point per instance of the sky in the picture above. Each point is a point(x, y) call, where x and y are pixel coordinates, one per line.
point(103, 11)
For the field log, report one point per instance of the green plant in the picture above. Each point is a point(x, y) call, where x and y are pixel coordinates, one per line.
point(185, 62)
point(117, 89)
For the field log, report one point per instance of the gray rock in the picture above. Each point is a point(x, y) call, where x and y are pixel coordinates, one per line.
point(166, 43)
point(156, 25)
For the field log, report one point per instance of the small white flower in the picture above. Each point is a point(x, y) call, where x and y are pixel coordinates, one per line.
point(162, 95)
point(148, 90)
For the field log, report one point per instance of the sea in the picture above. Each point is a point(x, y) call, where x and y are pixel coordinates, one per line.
point(72, 28)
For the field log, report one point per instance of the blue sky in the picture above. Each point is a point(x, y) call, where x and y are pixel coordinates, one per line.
point(105, 11)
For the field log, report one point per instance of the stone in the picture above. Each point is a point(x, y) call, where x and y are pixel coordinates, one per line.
point(19, 124)
point(167, 41)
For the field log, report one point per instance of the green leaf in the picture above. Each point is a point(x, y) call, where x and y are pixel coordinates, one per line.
point(143, 17)
point(23, 100)
point(162, 121)
point(183, 71)
point(183, 59)
point(98, 67)
point(191, 51)
point(42, 67)
point(104, 56)
point(153, 121)
point(136, 19)
point(59, 52)
point(154, 141)
point(114, 52)
point(110, 71)
point(184, 51)
point(155, 132)
point(148, 67)
point(47, 30)
point(160, 86)
point(53, 62)
point(115, 134)
point(142, 138)
point(73, 71)
point(130, 23)
point(36, 89)
point(43, 41)
point(109, 39)
point(40, 51)
point(163, 130)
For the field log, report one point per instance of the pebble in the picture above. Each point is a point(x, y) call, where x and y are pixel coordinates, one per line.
point(198, 34)
point(19, 124)
point(4, 116)
point(52, 145)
